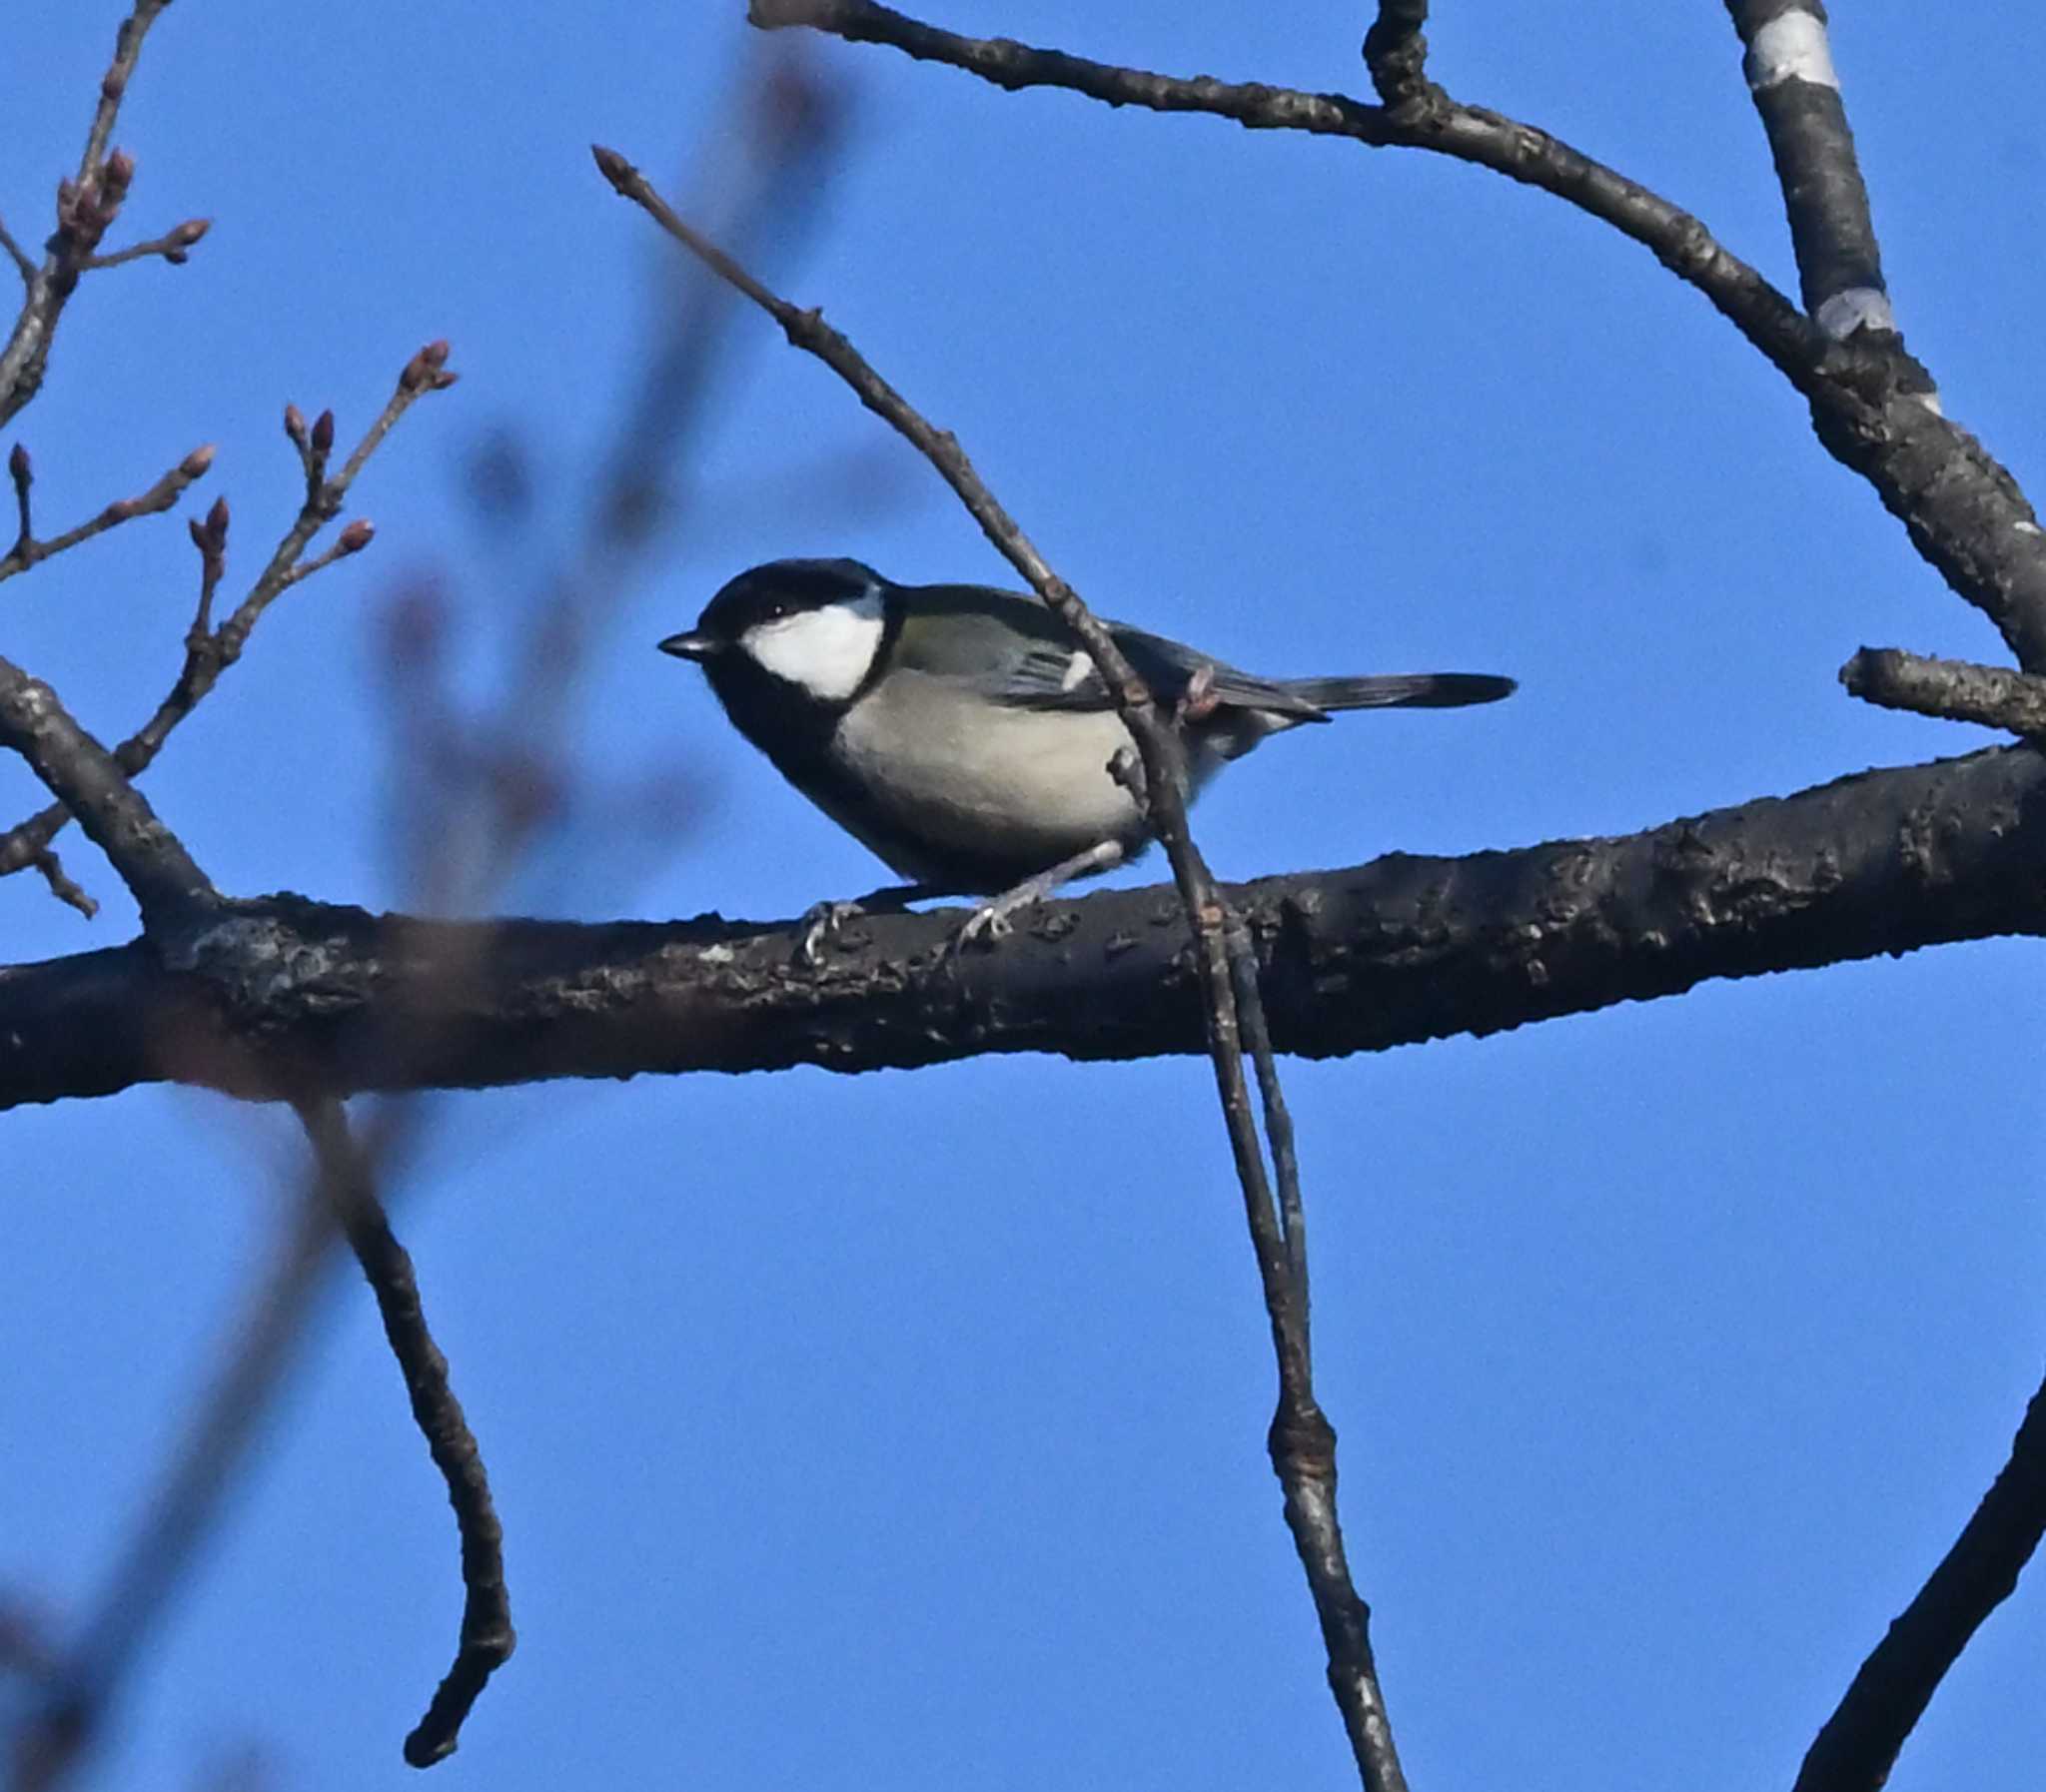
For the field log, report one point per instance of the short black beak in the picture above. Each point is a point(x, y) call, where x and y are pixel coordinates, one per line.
point(693, 646)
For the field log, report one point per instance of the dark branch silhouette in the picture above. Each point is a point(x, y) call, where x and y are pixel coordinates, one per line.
point(86, 205)
point(1791, 72)
point(1303, 1444)
point(288, 993)
point(346, 1178)
point(283, 997)
point(1860, 1741)
point(1963, 511)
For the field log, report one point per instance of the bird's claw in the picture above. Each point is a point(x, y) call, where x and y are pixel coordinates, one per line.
point(821, 922)
point(990, 922)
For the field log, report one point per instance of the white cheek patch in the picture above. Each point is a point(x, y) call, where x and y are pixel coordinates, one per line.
point(826, 651)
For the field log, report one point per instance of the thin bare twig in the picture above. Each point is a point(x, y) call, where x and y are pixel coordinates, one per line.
point(352, 540)
point(21, 474)
point(27, 552)
point(1860, 1741)
point(175, 246)
point(1250, 1002)
point(114, 83)
point(347, 1179)
point(86, 205)
point(1302, 1442)
point(61, 885)
point(210, 650)
point(17, 255)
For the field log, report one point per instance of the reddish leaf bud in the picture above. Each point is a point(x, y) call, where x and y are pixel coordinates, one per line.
point(114, 177)
point(18, 466)
point(357, 537)
point(197, 462)
point(295, 424)
point(119, 510)
point(200, 538)
point(217, 520)
point(421, 369)
point(442, 380)
point(191, 230)
point(323, 433)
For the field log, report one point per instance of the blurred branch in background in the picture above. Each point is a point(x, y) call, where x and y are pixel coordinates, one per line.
point(480, 802)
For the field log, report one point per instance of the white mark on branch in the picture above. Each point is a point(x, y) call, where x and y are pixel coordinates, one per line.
point(1856, 308)
point(1791, 47)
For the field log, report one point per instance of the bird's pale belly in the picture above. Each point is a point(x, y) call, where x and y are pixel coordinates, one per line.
point(975, 793)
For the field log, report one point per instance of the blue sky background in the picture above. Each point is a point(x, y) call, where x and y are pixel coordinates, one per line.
point(866, 1431)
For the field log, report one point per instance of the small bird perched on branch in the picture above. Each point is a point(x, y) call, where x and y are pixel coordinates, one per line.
point(961, 735)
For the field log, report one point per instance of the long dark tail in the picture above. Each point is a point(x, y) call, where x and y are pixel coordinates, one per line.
point(1403, 691)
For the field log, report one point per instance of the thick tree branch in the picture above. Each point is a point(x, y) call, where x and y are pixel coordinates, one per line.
point(1790, 67)
point(285, 994)
point(1860, 1743)
point(1964, 513)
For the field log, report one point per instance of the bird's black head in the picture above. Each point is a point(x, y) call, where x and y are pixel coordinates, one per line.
point(789, 645)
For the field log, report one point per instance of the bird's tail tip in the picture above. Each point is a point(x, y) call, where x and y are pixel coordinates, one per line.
point(1405, 691)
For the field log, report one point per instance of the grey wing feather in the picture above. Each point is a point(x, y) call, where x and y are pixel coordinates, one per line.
point(1019, 653)
point(1055, 674)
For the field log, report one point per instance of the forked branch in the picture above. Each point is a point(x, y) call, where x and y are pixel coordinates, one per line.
point(209, 648)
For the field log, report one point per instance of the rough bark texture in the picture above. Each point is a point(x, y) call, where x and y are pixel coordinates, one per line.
point(286, 993)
